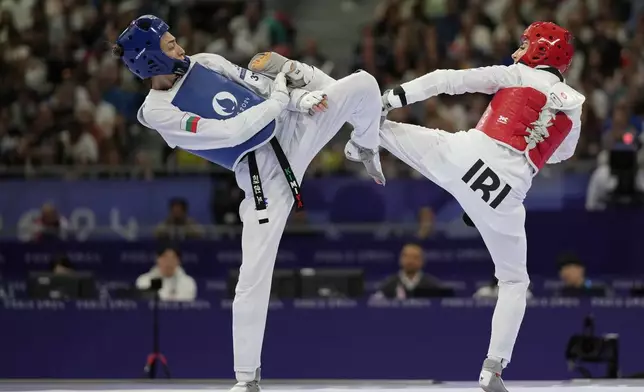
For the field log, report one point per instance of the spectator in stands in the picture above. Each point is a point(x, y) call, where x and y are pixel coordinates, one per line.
point(411, 281)
point(79, 141)
point(176, 284)
point(575, 283)
point(299, 225)
point(491, 290)
point(104, 113)
point(373, 56)
point(330, 161)
point(226, 46)
point(437, 116)
point(50, 225)
point(404, 114)
point(61, 265)
point(426, 223)
point(225, 202)
point(56, 68)
point(178, 225)
point(604, 182)
point(251, 30)
point(312, 56)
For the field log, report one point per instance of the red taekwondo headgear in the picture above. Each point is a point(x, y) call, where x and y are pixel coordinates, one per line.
point(549, 44)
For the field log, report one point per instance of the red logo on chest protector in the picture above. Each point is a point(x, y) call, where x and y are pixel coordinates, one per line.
point(563, 95)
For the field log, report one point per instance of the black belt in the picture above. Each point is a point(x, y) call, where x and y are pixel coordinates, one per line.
point(256, 182)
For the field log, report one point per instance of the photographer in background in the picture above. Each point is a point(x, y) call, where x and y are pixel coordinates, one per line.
point(176, 285)
point(618, 180)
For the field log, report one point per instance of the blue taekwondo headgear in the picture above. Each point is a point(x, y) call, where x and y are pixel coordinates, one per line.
point(140, 49)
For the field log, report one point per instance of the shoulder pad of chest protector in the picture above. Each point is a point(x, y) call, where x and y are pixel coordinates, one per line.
point(563, 97)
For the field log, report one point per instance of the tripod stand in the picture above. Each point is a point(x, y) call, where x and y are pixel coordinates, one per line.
point(155, 358)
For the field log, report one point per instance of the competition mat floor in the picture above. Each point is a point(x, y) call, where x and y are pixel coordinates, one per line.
point(311, 386)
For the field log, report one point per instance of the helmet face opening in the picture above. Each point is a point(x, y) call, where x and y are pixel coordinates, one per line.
point(141, 49)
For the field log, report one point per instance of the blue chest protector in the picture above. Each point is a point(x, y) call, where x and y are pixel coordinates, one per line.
point(208, 94)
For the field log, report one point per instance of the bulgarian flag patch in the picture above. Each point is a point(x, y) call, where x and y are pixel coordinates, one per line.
point(189, 123)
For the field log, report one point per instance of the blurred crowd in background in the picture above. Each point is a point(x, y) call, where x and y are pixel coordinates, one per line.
point(67, 101)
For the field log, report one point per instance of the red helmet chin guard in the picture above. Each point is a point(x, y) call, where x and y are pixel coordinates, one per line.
point(549, 44)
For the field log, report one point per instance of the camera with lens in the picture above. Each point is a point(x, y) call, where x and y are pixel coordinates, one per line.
point(624, 168)
point(590, 348)
point(155, 284)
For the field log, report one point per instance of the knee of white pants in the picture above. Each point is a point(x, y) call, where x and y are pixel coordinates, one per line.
point(523, 283)
point(252, 282)
point(366, 81)
point(515, 279)
point(255, 277)
point(512, 274)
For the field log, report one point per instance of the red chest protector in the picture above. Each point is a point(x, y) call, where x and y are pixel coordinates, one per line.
point(523, 119)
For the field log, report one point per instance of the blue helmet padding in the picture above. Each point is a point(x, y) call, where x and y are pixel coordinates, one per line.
point(142, 54)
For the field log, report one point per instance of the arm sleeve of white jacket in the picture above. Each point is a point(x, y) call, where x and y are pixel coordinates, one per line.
point(599, 187)
point(207, 134)
point(487, 80)
point(567, 148)
point(143, 282)
point(260, 84)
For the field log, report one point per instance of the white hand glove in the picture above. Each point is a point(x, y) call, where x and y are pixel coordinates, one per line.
point(314, 102)
point(310, 102)
point(280, 92)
